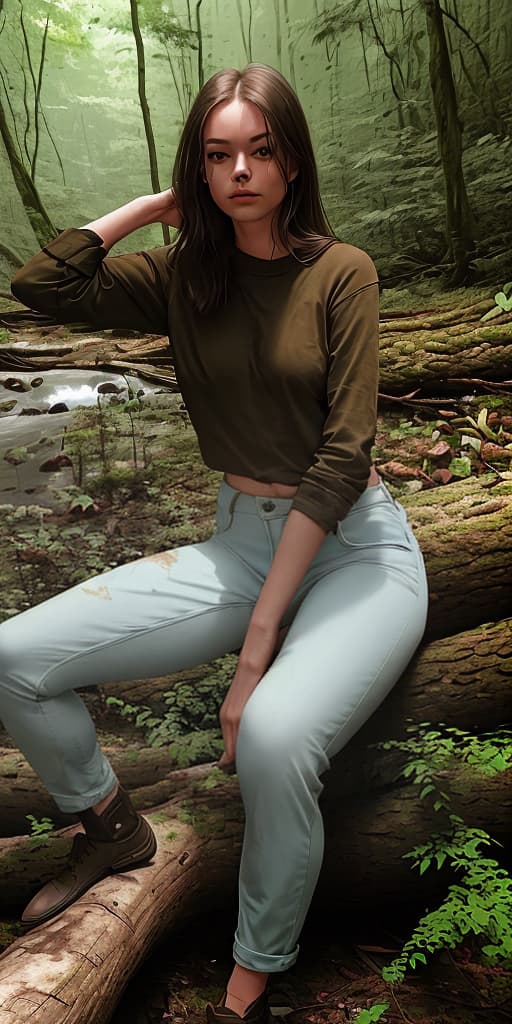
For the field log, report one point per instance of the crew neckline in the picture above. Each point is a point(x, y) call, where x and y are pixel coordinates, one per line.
point(261, 267)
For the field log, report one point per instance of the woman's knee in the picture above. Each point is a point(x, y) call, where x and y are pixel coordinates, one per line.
point(18, 658)
point(276, 749)
point(8, 649)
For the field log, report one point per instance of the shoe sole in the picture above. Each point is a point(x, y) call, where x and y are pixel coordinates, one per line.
point(122, 864)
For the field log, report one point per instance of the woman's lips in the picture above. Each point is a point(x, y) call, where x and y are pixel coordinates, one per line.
point(240, 198)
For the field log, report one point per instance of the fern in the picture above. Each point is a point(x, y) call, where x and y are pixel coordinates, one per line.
point(481, 902)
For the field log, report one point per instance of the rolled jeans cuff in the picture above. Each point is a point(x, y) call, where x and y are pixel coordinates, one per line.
point(263, 961)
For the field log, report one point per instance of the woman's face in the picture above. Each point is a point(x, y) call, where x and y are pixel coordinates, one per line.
point(235, 159)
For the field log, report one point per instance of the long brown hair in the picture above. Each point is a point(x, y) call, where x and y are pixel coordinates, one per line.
point(206, 238)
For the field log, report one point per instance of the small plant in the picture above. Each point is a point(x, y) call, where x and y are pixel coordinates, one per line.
point(482, 901)
point(373, 1014)
point(192, 708)
point(503, 302)
point(40, 830)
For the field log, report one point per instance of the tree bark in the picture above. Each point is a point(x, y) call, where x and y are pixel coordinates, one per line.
point(460, 222)
point(430, 347)
point(144, 106)
point(435, 348)
point(39, 219)
point(463, 680)
point(465, 533)
point(55, 972)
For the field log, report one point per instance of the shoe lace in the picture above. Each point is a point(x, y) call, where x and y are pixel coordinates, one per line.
point(80, 850)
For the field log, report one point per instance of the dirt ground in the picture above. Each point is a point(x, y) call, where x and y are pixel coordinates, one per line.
point(337, 975)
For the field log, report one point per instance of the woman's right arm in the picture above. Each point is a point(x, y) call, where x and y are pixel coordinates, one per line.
point(73, 280)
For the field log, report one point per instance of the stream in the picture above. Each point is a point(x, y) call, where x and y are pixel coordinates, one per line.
point(36, 410)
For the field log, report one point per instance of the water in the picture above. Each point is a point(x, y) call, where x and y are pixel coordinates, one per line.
point(36, 409)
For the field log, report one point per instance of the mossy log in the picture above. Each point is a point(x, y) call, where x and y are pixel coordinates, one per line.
point(436, 346)
point(463, 680)
point(427, 347)
point(465, 533)
point(54, 972)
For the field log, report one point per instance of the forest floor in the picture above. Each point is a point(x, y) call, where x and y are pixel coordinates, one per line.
point(336, 978)
point(130, 481)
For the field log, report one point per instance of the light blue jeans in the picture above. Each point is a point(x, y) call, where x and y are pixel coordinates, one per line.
point(356, 620)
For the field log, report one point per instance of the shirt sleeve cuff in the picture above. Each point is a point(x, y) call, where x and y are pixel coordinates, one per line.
point(326, 517)
point(326, 509)
point(80, 247)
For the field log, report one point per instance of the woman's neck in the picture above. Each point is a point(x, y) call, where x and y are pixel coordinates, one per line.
point(261, 248)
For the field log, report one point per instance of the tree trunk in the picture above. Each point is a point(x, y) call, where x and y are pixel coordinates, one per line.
point(144, 105)
point(36, 213)
point(57, 971)
point(460, 223)
point(463, 680)
point(433, 348)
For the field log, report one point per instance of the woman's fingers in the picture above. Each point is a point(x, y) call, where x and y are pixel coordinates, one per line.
point(226, 762)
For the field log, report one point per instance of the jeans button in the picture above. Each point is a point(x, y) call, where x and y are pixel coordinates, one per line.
point(268, 506)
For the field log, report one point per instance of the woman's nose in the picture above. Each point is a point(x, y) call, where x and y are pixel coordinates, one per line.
point(240, 167)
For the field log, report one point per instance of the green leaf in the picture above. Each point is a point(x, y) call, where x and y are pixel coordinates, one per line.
point(501, 300)
point(16, 456)
point(371, 1015)
point(482, 425)
point(480, 916)
point(460, 466)
point(475, 442)
point(81, 501)
point(426, 790)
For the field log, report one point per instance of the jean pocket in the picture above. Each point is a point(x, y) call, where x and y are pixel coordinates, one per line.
point(377, 525)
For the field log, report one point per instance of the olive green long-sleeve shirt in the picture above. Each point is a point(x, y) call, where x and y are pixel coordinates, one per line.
point(280, 384)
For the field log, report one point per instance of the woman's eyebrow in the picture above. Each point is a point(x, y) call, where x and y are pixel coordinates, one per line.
point(226, 142)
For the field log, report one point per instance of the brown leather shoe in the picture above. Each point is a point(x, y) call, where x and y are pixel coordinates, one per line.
point(117, 839)
point(258, 1012)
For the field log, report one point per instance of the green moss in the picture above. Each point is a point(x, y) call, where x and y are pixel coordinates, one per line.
point(216, 777)
point(202, 820)
point(158, 818)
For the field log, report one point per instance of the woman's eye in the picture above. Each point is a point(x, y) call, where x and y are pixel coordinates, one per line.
point(217, 152)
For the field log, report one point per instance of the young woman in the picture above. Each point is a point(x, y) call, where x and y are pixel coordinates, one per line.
point(273, 322)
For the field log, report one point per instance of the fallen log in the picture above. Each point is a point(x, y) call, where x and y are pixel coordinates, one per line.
point(420, 348)
point(465, 532)
point(434, 346)
point(55, 972)
point(463, 680)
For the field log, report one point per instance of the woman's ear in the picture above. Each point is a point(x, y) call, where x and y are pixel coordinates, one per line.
point(293, 174)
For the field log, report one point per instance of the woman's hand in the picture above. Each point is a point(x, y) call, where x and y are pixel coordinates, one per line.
point(259, 650)
point(166, 209)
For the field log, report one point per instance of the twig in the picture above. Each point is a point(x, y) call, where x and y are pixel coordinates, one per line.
point(477, 380)
point(399, 1008)
point(468, 981)
point(460, 1002)
point(410, 400)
